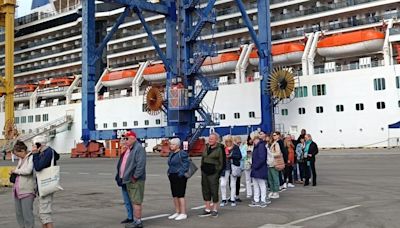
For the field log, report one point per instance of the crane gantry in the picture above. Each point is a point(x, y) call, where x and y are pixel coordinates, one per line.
point(7, 12)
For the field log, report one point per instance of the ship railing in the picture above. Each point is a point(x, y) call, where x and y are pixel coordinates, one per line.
point(52, 90)
point(347, 67)
point(62, 102)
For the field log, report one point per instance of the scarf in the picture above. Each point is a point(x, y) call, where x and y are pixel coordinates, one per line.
point(306, 148)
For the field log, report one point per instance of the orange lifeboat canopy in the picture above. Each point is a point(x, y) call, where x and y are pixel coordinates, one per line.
point(225, 62)
point(155, 72)
point(352, 43)
point(24, 88)
point(119, 78)
point(285, 53)
point(56, 82)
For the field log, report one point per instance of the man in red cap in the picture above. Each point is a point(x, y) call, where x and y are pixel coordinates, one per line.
point(134, 176)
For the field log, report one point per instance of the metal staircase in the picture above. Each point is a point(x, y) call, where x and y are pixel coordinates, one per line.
point(44, 129)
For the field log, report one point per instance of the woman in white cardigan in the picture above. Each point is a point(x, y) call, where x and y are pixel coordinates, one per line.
point(24, 186)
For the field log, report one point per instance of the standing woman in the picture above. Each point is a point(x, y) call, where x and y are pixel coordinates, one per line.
point(273, 173)
point(24, 186)
point(226, 173)
point(235, 156)
point(178, 165)
point(247, 168)
point(300, 158)
point(288, 172)
point(243, 151)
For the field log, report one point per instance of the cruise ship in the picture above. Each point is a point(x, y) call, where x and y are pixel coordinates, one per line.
point(344, 55)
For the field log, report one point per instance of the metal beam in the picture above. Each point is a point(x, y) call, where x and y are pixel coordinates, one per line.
point(108, 37)
point(204, 14)
point(88, 68)
point(159, 8)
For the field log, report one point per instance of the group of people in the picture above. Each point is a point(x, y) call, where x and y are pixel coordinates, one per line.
point(268, 161)
point(25, 187)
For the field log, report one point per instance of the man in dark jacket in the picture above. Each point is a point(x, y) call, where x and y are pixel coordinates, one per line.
point(134, 176)
point(42, 158)
point(285, 158)
point(312, 152)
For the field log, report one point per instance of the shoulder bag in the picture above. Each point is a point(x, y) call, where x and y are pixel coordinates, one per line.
point(48, 179)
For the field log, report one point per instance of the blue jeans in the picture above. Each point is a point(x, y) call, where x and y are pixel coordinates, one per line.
point(127, 202)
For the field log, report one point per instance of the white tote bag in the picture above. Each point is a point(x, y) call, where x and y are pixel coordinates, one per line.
point(48, 179)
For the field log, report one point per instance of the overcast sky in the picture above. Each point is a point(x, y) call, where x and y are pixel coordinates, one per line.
point(24, 7)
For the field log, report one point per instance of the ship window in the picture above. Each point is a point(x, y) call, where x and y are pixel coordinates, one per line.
point(252, 114)
point(115, 124)
point(104, 125)
point(398, 82)
point(380, 105)
point(30, 119)
point(222, 116)
point(45, 117)
point(320, 109)
point(96, 126)
point(237, 115)
point(135, 123)
point(124, 124)
point(146, 122)
point(302, 111)
point(319, 90)
point(359, 106)
point(158, 121)
point(379, 84)
point(23, 119)
point(37, 118)
point(301, 91)
point(23, 131)
point(16, 120)
point(285, 112)
point(398, 103)
point(339, 108)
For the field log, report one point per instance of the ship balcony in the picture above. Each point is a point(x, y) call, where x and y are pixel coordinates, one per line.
point(48, 65)
point(22, 96)
point(54, 102)
point(347, 67)
point(52, 92)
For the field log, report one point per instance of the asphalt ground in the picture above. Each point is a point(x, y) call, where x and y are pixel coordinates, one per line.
point(356, 188)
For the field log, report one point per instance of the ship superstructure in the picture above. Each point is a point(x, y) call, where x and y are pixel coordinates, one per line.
point(345, 56)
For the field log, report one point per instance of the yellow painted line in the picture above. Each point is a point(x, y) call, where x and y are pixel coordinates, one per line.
point(4, 175)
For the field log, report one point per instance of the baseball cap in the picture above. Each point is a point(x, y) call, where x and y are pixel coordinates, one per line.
point(130, 134)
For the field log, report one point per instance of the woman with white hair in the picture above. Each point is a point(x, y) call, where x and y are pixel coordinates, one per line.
point(42, 156)
point(178, 165)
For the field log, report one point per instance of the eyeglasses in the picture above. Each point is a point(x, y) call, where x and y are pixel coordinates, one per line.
point(124, 138)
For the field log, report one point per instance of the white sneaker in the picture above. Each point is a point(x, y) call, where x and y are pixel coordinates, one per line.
point(290, 185)
point(181, 217)
point(275, 195)
point(284, 185)
point(173, 216)
point(270, 194)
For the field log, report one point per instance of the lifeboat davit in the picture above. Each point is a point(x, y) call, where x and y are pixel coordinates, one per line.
point(155, 72)
point(286, 53)
point(24, 88)
point(118, 78)
point(225, 62)
point(352, 43)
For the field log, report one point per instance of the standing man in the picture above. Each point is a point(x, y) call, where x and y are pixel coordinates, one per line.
point(310, 151)
point(134, 176)
point(42, 156)
point(118, 178)
point(212, 163)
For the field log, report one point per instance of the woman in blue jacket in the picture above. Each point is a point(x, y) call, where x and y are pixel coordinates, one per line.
point(178, 165)
point(259, 171)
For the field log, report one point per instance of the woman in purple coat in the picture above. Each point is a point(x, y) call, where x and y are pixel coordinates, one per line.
point(259, 171)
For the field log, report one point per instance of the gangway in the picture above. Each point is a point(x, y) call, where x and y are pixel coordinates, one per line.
point(44, 129)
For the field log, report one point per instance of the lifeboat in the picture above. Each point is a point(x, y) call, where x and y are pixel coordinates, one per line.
point(155, 72)
point(55, 82)
point(225, 62)
point(352, 43)
point(118, 78)
point(286, 53)
point(24, 88)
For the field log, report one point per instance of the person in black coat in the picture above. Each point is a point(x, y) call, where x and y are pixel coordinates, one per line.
point(284, 155)
point(311, 158)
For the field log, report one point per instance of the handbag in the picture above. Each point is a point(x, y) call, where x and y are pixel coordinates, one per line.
point(192, 168)
point(48, 179)
point(279, 163)
point(13, 177)
point(236, 170)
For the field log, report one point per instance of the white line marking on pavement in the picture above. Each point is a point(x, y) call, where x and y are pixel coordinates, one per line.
point(199, 207)
point(83, 173)
point(154, 217)
point(287, 225)
point(105, 174)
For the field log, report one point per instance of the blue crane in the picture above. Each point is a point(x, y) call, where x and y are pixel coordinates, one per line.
point(182, 64)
